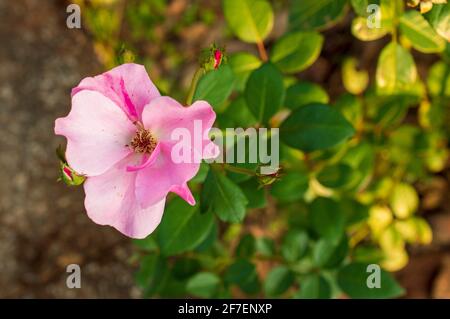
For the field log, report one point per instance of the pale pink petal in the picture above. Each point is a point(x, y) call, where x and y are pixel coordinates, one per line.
point(97, 133)
point(146, 160)
point(163, 116)
point(128, 85)
point(111, 200)
point(157, 180)
point(184, 192)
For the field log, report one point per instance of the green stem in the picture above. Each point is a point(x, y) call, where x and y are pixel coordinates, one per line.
point(198, 74)
point(239, 170)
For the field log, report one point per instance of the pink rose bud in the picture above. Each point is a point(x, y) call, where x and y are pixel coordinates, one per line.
point(217, 58)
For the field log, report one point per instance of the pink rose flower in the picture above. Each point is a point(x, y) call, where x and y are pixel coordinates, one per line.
point(119, 136)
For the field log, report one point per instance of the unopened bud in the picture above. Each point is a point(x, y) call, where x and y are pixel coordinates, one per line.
point(70, 177)
point(213, 57)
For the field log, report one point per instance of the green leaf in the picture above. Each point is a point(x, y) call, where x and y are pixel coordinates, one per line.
point(291, 187)
point(265, 92)
point(336, 176)
point(246, 247)
point(255, 194)
point(315, 127)
point(243, 64)
point(201, 174)
point(352, 279)
point(215, 86)
point(175, 233)
point(404, 200)
point(237, 114)
point(265, 246)
point(363, 32)
point(278, 281)
point(439, 79)
point(204, 285)
point(209, 240)
point(303, 93)
point(149, 243)
point(185, 268)
point(439, 18)
point(330, 254)
point(422, 36)
point(327, 219)
point(152, 274)
point(250, 20)
point(243, 273)
point(223, 197)
point(396, 70)
point(360, 6)
point(391, 109)
point(351, 108)
point(294, 52)
point(355, 81)
point(314, 287)
point(295, 245)
point(315, 14)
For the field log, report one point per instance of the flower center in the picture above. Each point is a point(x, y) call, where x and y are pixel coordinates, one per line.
point(143, 141)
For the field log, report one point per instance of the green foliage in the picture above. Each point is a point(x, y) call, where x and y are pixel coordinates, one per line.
point(278, 281)
point(422, 36)
point(296, 51)
point(243, 274)
point(315, 127)
point(242, 65)
point(396, 70)
point(175, 233)
point(315, 14)
point(265, 92)
point(204, 284)
point(314, 287)
point(439, 18)
point(250, 20)
point(352, 279)
point(223, 197)
point(303, 93)
point(354, 144)
point(215, 87)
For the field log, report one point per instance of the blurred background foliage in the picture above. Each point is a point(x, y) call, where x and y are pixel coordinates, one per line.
point(363, 127)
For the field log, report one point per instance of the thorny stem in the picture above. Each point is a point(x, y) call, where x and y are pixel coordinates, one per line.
point(198, 74)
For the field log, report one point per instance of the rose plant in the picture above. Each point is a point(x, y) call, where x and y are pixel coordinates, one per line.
point(344, 196)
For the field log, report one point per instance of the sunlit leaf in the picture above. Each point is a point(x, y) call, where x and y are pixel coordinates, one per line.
point(422, 36)
point(315, 14)
point(303, 93)
point(296, 51)
point(250, 20)
point(396, 70)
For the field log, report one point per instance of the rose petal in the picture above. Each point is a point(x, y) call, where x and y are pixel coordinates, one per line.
point(97, 133)
point(163, 116)
point(146, 160)
point(155, 181)
point(184, 192)
point(128, 85)
point(111, 200)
